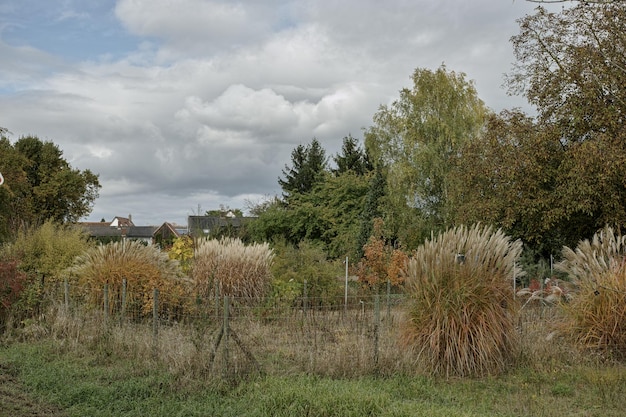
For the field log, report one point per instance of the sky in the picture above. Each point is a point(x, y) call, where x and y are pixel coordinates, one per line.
point(184, 106)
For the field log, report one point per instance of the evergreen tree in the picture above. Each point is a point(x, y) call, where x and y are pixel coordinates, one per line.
point(352, 158)
point(308, 167)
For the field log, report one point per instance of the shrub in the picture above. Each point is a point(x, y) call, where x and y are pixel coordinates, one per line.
point(238, 270)
point(597, 311)
point(12, 283)
point(461, 318)
point(43, 254)
point(306, 262)
point(143, 267)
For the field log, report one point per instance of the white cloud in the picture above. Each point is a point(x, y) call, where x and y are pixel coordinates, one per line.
point(214, 95)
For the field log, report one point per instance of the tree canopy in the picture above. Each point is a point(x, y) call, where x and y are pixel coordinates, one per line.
point(557, 178)
point(41, 185)
point(415, 139)
point(308, 164)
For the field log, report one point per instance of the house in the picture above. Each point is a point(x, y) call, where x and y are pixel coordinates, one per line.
point(165, 234)
point(120, 228)
point(198, 226)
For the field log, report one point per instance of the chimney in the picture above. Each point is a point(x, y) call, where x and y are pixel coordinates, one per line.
point(130, 218)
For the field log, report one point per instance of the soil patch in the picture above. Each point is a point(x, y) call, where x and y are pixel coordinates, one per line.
point(15, 401)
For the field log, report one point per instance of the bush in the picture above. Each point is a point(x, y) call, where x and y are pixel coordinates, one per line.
point(12, 283)
point(43, 254)
point(461, 318)
point(143, 267)
point(306, 262)
point(49, 250)
point(229, 267)
point(596, 312)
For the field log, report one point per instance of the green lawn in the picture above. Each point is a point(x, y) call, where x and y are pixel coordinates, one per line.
point(42, 378)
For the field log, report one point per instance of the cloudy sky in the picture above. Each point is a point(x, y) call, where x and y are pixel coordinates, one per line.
point(186, 105)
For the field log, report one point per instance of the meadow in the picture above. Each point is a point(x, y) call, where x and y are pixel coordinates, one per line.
point(277, 361)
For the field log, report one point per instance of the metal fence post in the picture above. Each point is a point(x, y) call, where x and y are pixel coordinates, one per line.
point(123, 306)
point(376, 328)
point(66, 291)
point(106, 303)
point(155, 322)
point(226, 328)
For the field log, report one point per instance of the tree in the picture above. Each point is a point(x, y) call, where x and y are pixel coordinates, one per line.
point(371, 208)
point(511, 180)
point(416, 138)
point(40, 185)
point(571, 66)
point(352, 158)
point(308, 166)
point(327, 216)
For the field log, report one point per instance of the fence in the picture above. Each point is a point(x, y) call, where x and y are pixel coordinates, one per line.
point(234, 337)
point(335, 336)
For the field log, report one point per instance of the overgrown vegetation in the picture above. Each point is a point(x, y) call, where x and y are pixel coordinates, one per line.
point(597, 310)
point(229, 267)
point(462, 312)
point(131, 271)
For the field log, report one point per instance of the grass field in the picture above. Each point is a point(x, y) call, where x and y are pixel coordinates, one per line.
point(44, 379)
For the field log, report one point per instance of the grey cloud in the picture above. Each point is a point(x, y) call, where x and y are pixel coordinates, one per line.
point(208, 109)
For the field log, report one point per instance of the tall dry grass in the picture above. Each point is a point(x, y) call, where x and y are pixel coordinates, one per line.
point(462, 312)
point(229, 267)
point(144, 268)
point(597, 311)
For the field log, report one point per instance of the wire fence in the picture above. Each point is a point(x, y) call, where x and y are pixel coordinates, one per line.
point(234, 337)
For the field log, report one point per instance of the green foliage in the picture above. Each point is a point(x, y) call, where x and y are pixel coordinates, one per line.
point(48, 250)
point(328, 215)
point(306, 262)
point(43, 254)
point(416, 139)
point(308, 168)
point(462, 312)
point(512, 178)
point(557, 179)
point(41, 185)
point(352, 158)
point(371, 209)
point(597, 311)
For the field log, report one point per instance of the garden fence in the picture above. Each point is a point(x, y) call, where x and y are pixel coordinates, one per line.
point(230, 336)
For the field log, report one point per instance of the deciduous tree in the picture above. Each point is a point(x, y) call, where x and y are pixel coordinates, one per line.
point(41, 185)
point(415, 138)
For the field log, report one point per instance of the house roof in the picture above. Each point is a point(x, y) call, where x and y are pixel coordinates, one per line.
point(171, 229)
point(104, 230)
point(195, 223)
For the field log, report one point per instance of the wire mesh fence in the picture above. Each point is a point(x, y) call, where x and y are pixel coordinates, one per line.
point(235, 337)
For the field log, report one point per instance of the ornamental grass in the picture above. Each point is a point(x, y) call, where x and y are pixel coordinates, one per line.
point(229, 267)
point(462, 311)
point(143, 268)
point(596, 313)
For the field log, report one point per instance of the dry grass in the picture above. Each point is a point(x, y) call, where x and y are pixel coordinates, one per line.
point(597, 310)
point(462, 313)
point(143, 268)
point(229, 267)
